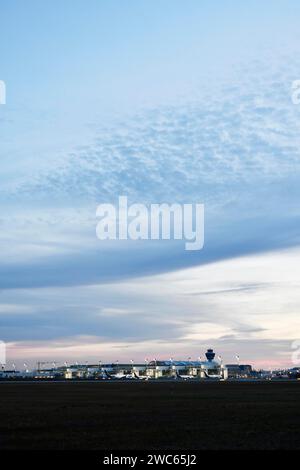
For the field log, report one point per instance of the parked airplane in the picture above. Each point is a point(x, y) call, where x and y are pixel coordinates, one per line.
point(140, 377)
point(118, 376)
point(184, 377)
point(213, 376)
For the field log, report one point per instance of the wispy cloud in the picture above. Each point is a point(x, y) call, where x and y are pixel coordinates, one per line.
point(160, 314)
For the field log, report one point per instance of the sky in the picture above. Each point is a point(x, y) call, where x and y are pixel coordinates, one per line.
point(172, 101)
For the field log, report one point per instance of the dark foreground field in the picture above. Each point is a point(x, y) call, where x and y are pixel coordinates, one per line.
point(145, 415)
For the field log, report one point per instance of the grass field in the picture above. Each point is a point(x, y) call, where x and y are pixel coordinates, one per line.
point(146, 415)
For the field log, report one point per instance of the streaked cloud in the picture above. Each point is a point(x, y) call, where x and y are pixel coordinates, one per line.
point(160, 314)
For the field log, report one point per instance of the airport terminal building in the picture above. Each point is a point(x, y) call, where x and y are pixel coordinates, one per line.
point(155, 369)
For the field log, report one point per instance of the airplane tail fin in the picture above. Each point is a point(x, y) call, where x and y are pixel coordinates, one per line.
point(108, 376)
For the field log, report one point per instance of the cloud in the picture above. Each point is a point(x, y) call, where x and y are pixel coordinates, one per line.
point(234, 147)
point(160, 314)
point(235, 289)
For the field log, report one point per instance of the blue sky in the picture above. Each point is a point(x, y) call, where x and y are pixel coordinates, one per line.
point(163, 102)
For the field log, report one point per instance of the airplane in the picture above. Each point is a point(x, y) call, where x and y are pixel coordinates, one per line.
point(118, 376)
point(213, 376)
point(140, 377)
point(184, 377)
